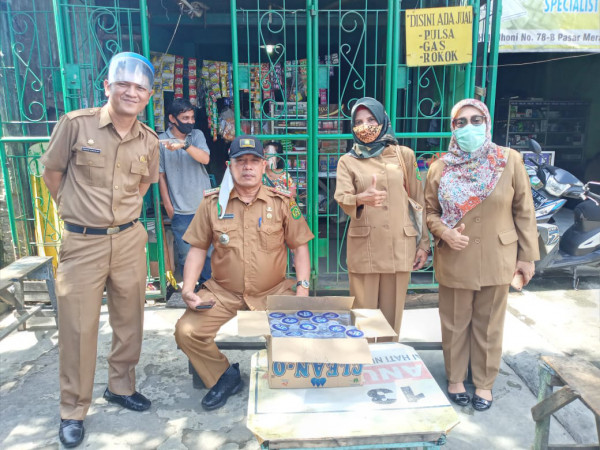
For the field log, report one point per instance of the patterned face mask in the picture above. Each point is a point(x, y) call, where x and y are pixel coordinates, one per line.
point(367, 133)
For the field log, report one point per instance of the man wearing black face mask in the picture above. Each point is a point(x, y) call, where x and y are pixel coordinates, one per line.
point(183, 177)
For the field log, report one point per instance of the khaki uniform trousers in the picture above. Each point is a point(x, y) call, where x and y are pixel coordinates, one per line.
point(473, 327)
point(384, 291)
point(195, 331)
point(88, 264)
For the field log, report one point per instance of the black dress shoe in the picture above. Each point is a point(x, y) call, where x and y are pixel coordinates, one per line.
point(135, 402)
point(461, 399)
point(481, 404)
point(71, 432)
point(229, 383)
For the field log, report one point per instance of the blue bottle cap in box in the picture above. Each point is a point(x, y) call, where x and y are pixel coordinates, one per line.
point(276, 315)
point(304, 314)
point(320, 319)
point(289, 320)
point(280, 327)
point(308, 326)
point(354, 333)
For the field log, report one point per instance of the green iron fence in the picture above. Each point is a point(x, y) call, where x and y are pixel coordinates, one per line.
point(314, 60)
point(311, 61)
point(55, 57)
point(30, 104)
point(425, 95)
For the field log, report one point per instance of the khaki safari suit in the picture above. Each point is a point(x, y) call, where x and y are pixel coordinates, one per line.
point(248, 263)
point(381, 240)
point(474, 281)
point(100, 189)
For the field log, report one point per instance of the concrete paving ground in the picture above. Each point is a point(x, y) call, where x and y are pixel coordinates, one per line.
point(548, 318)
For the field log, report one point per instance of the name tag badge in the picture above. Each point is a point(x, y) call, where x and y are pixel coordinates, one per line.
point(90, 149)
point(228, 216)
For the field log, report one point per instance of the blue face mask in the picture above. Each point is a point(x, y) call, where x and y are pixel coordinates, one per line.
point(470, 137)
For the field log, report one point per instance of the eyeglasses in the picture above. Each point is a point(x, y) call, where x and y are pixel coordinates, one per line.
point(475, 120)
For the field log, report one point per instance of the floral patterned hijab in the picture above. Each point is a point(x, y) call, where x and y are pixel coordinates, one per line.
point(469, 178)
point(386, 137)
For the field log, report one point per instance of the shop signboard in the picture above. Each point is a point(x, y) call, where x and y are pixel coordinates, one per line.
point(550, 26)
point(439, 36)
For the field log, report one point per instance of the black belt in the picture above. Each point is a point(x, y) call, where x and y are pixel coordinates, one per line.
point(87, 230)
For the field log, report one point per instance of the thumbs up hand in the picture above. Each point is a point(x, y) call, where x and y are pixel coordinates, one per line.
point(454, 237)
point(371, 196)
point(374, 181)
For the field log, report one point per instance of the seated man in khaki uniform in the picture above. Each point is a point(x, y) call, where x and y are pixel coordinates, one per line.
point(249, 226)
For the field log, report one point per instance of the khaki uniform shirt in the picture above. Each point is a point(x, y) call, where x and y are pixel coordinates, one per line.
point(501, 230)
point(381, 239)
point(102, 171)
point(250, 256)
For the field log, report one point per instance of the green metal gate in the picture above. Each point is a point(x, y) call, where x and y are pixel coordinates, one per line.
point(315, 60)
point(55, 60)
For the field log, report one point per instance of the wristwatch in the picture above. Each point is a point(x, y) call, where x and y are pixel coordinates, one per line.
point(303, 283)
point(186, 146)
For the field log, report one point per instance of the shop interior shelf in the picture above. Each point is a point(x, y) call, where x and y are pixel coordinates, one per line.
point(556, 125)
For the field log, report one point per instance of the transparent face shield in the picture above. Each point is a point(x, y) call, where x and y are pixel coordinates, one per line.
point(133, 68)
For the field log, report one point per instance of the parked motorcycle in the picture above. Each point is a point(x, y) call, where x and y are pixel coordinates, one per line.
point(579, 245)
point(550, 185)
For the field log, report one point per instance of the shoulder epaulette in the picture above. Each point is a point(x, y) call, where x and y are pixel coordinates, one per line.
point(280, 191)
point(213, 191)
point(82, 112)
point(149, 129)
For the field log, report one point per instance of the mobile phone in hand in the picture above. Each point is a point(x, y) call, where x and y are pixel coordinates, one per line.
point(518, 281)
point(204, 306)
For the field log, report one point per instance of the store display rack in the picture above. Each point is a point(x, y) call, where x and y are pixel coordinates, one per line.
point(290, 118)
point(559, 126)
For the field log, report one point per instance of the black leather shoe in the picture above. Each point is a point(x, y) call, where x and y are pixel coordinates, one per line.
point(71, 432)
point(135, 402)
point(229, 383)
point(461, 399)
point(481, 404)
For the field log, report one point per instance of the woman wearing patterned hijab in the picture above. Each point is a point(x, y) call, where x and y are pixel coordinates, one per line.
point(480, 212)
point(383, 245)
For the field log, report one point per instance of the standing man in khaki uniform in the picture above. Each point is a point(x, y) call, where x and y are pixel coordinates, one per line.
point(250, 226)
point(99, 164)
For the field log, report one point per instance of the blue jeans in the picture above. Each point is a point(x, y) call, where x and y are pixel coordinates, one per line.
point(179, 225)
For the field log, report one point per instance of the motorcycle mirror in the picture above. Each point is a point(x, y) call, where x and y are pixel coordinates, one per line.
point(535, 147)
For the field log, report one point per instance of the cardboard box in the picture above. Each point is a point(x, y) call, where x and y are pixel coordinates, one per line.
point(300, 362)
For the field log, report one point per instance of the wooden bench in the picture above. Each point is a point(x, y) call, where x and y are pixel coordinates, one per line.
point(579, 380)
point(420, 329)
point(28, 280)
